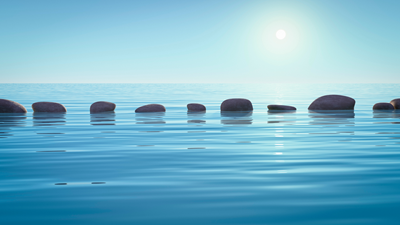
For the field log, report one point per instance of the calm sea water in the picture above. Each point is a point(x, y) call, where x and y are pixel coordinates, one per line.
point(212, 168)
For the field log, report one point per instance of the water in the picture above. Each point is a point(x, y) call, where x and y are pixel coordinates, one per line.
point(212, 168)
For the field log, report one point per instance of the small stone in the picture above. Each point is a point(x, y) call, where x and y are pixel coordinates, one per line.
point(396, 103)
point(281, 107)
point(196, 107)
point(51, 107)
point(8, 106)
point(236, 104)
point(151, 108)
point(333, 102)
point(383, 106)
point(102, 106)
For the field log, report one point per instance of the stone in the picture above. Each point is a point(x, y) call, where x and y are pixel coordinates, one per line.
point(50, 107)
point(151, 108)
point(196, 107)
point(383, 106)
point(8, 106)
point(281, 107)
point(237, 104)
point(333, 102)
point(102, 106)
point(396, 103)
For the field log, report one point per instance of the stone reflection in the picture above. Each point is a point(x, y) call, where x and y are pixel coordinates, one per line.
point(9, 120)
point(236, 118)
point(106, 118)
point(332, 118)
point(150, 118)
point(282, 116)
point(48, 119)
point(386, 114)
point(196, 118)
point(381, 114)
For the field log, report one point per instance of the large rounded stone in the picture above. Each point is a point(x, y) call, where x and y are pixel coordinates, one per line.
point(396, 103)
point(8, 106)
point(281, 107)
point(196, 107)
point(383, 106)
point(333, 102)
point(151, 108)
point(51, 107)
point(102, 106)
point(236, 104)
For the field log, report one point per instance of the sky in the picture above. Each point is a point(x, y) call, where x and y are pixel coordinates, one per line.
point(217, 41)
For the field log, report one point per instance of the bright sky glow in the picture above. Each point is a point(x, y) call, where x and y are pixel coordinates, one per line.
point(280, 34)
point(134, 41)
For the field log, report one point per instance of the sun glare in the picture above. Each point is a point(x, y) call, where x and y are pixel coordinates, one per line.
point(280, 34)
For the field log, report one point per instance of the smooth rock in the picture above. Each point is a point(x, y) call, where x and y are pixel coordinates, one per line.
point(281, 107)
point(333, 102)
point(383, 106)
point(8, 106)
point(236, 104)
point(196, 107)
point(102, 106)
point(151, 108)
point(51, 107)
point(396, 103)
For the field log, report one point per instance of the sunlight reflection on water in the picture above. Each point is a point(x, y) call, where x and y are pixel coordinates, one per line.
point(198, 168)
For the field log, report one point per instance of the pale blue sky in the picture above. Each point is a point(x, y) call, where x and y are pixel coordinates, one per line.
point(199, 41)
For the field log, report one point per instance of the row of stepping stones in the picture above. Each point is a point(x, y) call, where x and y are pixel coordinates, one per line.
point(326, 102)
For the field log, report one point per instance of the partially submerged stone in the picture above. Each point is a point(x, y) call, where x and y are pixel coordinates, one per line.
point(50, 107)
point(8, 106)
point(280, 107)
point(396, 103)
point(383, 106)
point(196, 107)
point(151, 108)
point(237, 104)
point(333, 102)
point(102, 106)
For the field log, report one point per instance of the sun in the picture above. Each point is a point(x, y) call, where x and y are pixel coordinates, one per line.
point(280, 34)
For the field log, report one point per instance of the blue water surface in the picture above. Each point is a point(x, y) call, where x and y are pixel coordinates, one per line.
point(199, 168)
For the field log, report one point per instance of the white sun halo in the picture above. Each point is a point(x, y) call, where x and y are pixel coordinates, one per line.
point(280, 34)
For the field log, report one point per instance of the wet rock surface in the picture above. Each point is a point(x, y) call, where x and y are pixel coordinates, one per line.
point(102, 106)
point(280, 107)
point(383, 106)
point(333, 102)
point(237, 104)
point(8, 106)
point(396, 103)
point(52, 107)
point(151, 108)
point(196, 107)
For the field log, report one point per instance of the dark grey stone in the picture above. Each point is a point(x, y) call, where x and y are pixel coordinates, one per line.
point(281, 107)
point(333, 102)
point(396, 103)
point(196, 107)
point(8, 106)
point(383, 106)
point(151, 108)
point(51, 107)
point(102, 106)
point(237, 104)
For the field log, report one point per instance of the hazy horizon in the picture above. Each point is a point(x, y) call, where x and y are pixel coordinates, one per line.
point(200, 42)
